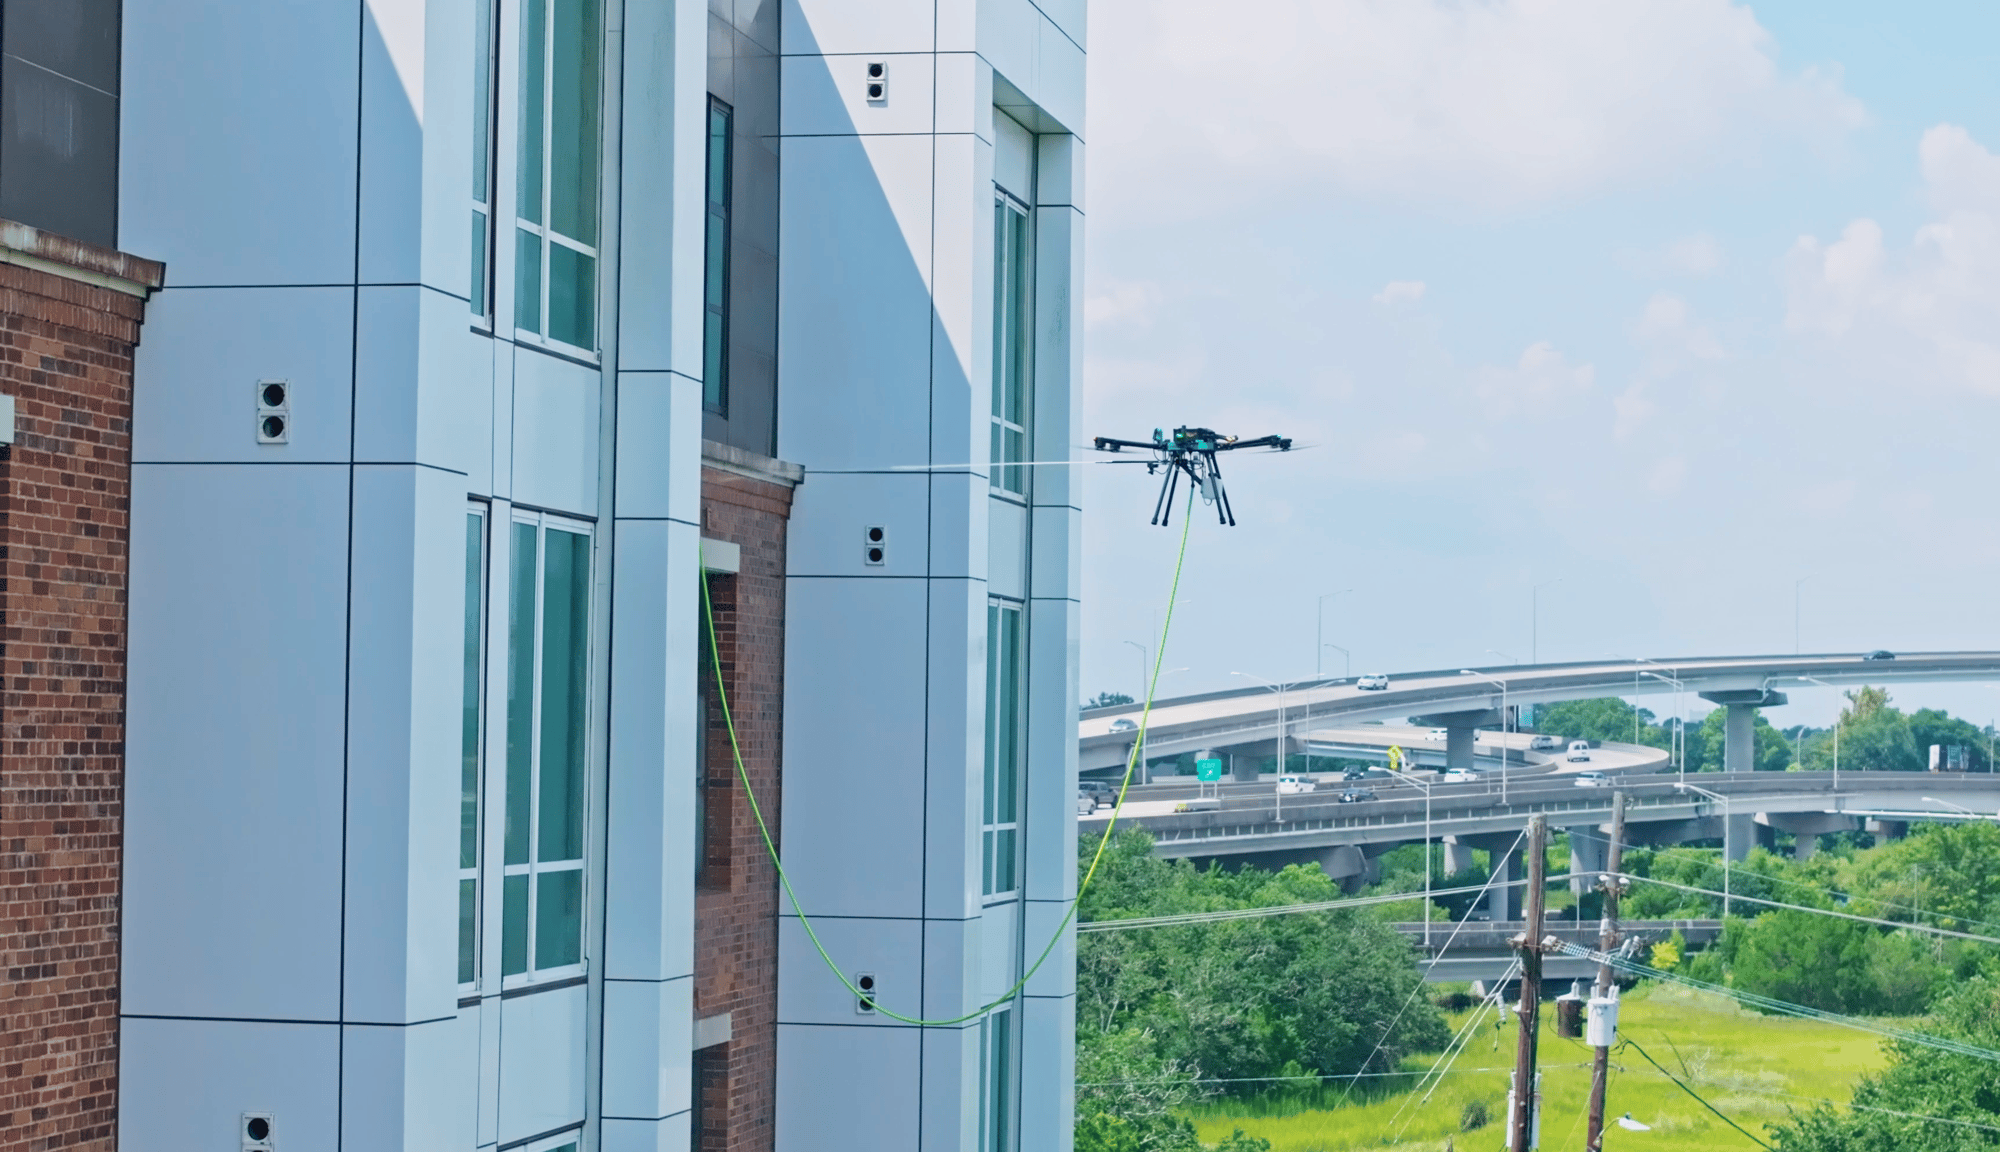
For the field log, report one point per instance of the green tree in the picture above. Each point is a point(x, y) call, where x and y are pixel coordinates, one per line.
point(1930, 726)
point(1874, 736)
point(1606, 718)
point(1953, 869)
point(1127, 1094)
point(1892, 1106)
point(1108, 700)
point(1772, 752)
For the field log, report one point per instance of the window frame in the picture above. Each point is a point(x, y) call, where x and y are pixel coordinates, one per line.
point(1002, 782)
point(480, 293)
point(997, 1112)
point(1013, 359)
point(534, 868)
point(718, 231)
point(543, 230)
point(472, 746)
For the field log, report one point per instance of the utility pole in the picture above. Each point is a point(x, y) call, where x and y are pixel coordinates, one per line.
point(1607, 939)
point(1521, 1121)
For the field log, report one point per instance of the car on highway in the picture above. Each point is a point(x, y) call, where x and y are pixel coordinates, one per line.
point(1289, 785)
point(1437, 734)
point(1199, 804)
point(1356, 795)
point(1350, 774)
point(1544, 743)
point(1085, 803)
point(1460, 776)
point(1592, 780)
point(1373, 682)
point(1880, 654)
point(1123, 724)
point(1103, 793)
point(1579, 752)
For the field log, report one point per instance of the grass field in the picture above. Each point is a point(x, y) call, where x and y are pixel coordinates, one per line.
point(1751, 1067)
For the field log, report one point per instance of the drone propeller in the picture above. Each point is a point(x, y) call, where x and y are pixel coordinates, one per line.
point(1192, 451)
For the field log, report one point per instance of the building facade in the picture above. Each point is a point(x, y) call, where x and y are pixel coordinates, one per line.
point(528, 380)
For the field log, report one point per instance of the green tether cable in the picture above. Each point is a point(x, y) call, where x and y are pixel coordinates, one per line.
point(756, 810)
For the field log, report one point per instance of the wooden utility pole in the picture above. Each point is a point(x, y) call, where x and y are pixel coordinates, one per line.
point(1607, 939)
point(1521, 1118)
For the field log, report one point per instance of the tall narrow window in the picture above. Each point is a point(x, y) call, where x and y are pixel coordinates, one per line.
point(1000, 823)
point(480, 292)
point(555, 235)
point(469, 774)
point(548, 621)
point(996, 1082)
point(715, 263)
point(1013, 339)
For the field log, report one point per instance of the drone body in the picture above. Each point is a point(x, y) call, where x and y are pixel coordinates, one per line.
point(1193, 451)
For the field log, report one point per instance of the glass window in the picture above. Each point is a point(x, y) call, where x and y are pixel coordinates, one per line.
point(996, 1082)
point(469, 748)
point(1000, 821)
point(480, 292)
point(715, 268)
point(548, 676)
point(555, 282)
point(1013, 340)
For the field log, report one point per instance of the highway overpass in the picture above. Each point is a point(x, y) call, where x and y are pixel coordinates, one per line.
point(1250, 721)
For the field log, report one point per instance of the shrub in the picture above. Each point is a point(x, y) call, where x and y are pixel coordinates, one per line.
point(1473, 1117)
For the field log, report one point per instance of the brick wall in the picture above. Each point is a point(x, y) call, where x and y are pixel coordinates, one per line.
point(66, 358)
point(736, 896)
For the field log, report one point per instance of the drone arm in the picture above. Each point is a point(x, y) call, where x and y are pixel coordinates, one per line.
point(1281, 443)
point(1113, 444)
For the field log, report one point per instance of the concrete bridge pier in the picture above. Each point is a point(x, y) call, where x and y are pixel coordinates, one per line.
point(1889, 829)
point(1460, 731)
point(1589, 855)
point(1500, 903)
point(1806, 828)
point(1739, 724)
point(1457, 856)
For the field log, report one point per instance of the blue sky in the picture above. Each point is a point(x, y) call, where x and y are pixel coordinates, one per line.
point(1674, 301)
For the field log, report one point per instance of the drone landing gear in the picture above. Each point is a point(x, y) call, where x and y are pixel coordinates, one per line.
point(1203, 473)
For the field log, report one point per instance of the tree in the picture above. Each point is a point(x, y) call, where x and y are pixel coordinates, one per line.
point(1108, 700)
point(1874, 736)
point(1771, 751)
point(1930, 726)
point(1892, 1107)
point(1605, 718)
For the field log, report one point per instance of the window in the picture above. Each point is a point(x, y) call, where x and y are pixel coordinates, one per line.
point(1000, 824)
point(555, 234)
point(1013, 339)
point(548, 622)
point(470, 742)
point(996, 1082)
point(715, 265)
point(480, 290)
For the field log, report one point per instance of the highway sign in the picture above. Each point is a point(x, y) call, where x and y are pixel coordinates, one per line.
point(1208, 770)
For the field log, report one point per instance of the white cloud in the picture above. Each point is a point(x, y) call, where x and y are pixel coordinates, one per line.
point(1631, 409)
point(1542, 376)
point(1939, 297)
point(1696, 255)
point(1494, 102)
point(1130, 302)
point(1670, 330)
point(1400, 292)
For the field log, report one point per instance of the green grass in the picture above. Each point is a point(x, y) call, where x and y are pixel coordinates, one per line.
point(1734, 1058)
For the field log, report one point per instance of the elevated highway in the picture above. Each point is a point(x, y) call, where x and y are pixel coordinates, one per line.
point(1252, 720)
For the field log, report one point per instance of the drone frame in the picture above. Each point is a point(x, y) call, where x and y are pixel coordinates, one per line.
point(1193, 451)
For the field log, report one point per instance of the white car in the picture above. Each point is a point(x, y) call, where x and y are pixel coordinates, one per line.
point(1123, 724)
point(1592, 780)
point(1373, 682)
point(1086, 804)
point(1579, 752)
point(1289, 785)
point(1437, 734)
point(1543, 743)
point(1460, 776)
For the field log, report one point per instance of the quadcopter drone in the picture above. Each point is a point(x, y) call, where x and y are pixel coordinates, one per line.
point(1191, 450)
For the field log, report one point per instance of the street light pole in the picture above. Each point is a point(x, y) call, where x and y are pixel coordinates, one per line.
point(1727, 820)
point(1280, 690)
point(1320, 634)
point(1425, 785)
point(1535, 638)
point(1143, 662)
point(1836, 738)
point(1503, 728)
point(1346, 658)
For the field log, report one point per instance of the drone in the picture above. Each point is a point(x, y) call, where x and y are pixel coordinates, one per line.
point(1193, 451)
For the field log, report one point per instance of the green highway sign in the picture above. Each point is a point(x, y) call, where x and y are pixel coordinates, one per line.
point(1206, 770)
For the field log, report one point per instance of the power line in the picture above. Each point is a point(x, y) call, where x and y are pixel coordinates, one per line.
point(1698, 1097)
point(1859, 1107)
point(1904, 925)
point(1282, 909)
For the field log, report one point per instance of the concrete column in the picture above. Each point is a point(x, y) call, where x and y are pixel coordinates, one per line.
point(1739, 738)
point(1806, 828)
point(1504, 903)
point(1457, 856)
point(1589, 853)
point(1458, 747)
point(1741, 835)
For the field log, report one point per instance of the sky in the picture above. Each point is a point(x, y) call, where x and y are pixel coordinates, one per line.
point(1664, 305)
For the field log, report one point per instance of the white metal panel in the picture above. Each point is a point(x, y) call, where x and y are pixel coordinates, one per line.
point(655, 642)
point(422, 380)
point(1013, 157)
point(964, 94)
point(541, 1062)
point(204, 353)
point(956, 742)
point(669, 1134)
point(840, 26)
point(1057, 553)
point(890, 950)
point(445, 116)
point(831, 515)
point(1048, 1073)
point(185, 1084)
point(1049, 813)
point(962, 300)
point(659, 446)
point(999, 955)
point(407, 1088)
point(392, 143)
point(1057, 975)
point(828, 95)
point(854, 291)
point(237, 667)
point(854, 745)
point(661, 164)
point(237, 140)
point(958, 525)
point(951, 1087)
point(952, 965)
point(858, 1084)
point(555, 433)
point(648, 1057)
point(403, 741)
point(1059, 88)
point(1058, 433)
point(1006, 548)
